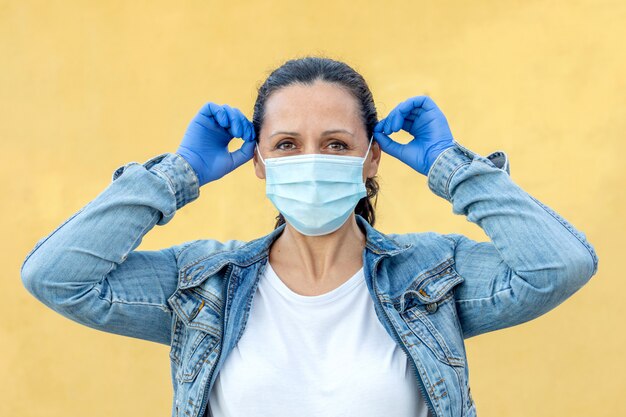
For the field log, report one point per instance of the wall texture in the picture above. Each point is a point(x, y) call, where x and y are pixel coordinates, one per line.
point(88, 86)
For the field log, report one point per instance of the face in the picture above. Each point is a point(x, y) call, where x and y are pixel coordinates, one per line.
point(319, 118)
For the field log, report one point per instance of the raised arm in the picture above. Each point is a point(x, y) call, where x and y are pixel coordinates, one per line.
point(535, 260)
point(87, 269)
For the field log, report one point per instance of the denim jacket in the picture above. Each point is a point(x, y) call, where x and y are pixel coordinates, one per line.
point(430, 290)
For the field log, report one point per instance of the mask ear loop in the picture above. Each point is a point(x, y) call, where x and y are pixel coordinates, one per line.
point(256, 147)
point(368, 148)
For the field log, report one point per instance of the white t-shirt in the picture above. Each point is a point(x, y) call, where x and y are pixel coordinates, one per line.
point(324, 355)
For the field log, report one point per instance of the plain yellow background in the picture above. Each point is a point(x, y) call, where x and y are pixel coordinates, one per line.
point(86, 87)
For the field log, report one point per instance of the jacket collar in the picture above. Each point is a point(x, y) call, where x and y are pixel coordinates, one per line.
point(257, 249)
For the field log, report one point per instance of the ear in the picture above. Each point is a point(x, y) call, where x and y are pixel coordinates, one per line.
point(373, 161)
point(259, 167)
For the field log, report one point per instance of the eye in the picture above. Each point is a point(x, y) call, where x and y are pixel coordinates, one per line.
point(280, 144)
point(337, 145)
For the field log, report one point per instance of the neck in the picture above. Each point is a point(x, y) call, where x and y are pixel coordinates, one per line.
point(319, 259)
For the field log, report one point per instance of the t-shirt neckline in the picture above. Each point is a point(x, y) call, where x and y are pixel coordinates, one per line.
point(343, 289)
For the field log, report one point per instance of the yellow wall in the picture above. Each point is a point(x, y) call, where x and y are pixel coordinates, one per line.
point(88, 86)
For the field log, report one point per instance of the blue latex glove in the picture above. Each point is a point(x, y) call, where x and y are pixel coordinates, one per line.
point(421, 117)
point(205, 144)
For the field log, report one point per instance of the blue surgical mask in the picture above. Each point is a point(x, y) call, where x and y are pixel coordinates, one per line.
point(316, 193)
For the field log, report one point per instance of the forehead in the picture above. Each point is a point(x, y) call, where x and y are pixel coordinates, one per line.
point(321, 104)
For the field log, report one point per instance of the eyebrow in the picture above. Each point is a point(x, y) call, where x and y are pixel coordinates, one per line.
point(326, 132)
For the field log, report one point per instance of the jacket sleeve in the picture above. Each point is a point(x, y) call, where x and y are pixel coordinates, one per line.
point(87, 269)
point(535, 260)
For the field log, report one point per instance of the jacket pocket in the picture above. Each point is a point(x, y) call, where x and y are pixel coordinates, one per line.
point(196, 332)
point(431, 286)
point(430, 313)
point(197, 348)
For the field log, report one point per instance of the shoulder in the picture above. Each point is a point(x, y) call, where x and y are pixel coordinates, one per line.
point(196, 250)
point(423, 265)
point(427, 249)
point(426, 241)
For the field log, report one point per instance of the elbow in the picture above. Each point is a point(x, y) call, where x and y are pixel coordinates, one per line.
point(560, 275)
point(31, 279)
point(584, 267)
point(578, 267)
point(35, 275)
point(40, 274)
point(31, 271)
point(583, 260)
point(53, 285)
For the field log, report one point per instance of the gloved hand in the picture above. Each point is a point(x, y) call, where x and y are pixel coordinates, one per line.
point(205, 144)
point(421, 117)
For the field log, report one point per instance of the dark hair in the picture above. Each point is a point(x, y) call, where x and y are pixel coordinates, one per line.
point(306, 71)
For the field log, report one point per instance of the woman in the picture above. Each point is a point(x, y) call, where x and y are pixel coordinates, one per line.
point(346, 320)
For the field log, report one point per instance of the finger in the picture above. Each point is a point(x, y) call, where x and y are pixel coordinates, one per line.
point(222, 118)
point(393, 122)
point(388, 145)
point(206, 109)
point(245, 128)
point(428, 103)
point(409, 104)
point(243, 154)
point(252, 133)
point(210, 109)
point(246, 125)
point(379, 126)
point(205, 121)
point(235, 123)
point(387, 124)
point(206, 115)
point(247, 134)
point(397, 121)
point(423, 102)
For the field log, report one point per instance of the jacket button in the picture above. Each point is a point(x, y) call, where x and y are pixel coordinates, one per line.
point(432, 307)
